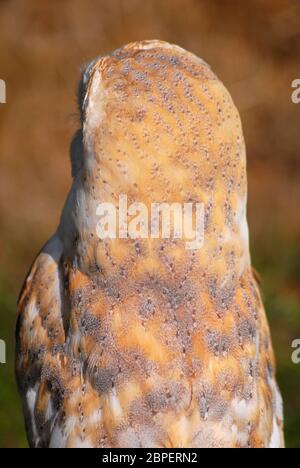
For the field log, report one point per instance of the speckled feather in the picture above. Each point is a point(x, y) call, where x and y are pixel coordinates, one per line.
point(142, 343)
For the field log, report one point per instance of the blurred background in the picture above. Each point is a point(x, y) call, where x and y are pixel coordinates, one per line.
point(254, 47)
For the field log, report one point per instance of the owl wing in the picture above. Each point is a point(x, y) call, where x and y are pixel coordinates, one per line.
point(268, 371)
point(40, 334)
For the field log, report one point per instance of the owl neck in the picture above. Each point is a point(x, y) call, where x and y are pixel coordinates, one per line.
point(108, 233)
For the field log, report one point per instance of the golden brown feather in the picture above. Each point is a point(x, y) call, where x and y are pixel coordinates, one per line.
point(142, 343)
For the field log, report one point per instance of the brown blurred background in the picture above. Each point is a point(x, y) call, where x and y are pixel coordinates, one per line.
point(254, 47)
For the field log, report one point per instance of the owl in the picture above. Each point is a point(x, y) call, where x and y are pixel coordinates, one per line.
point(138, 341)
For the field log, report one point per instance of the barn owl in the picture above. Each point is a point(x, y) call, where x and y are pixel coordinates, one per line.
point(141, 342)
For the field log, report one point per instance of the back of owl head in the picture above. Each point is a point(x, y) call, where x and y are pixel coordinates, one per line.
point(159, 127)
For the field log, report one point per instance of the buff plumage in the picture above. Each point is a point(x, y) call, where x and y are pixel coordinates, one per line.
point(143, 343)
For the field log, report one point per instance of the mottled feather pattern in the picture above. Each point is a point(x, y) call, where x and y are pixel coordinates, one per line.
point(143, 343)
